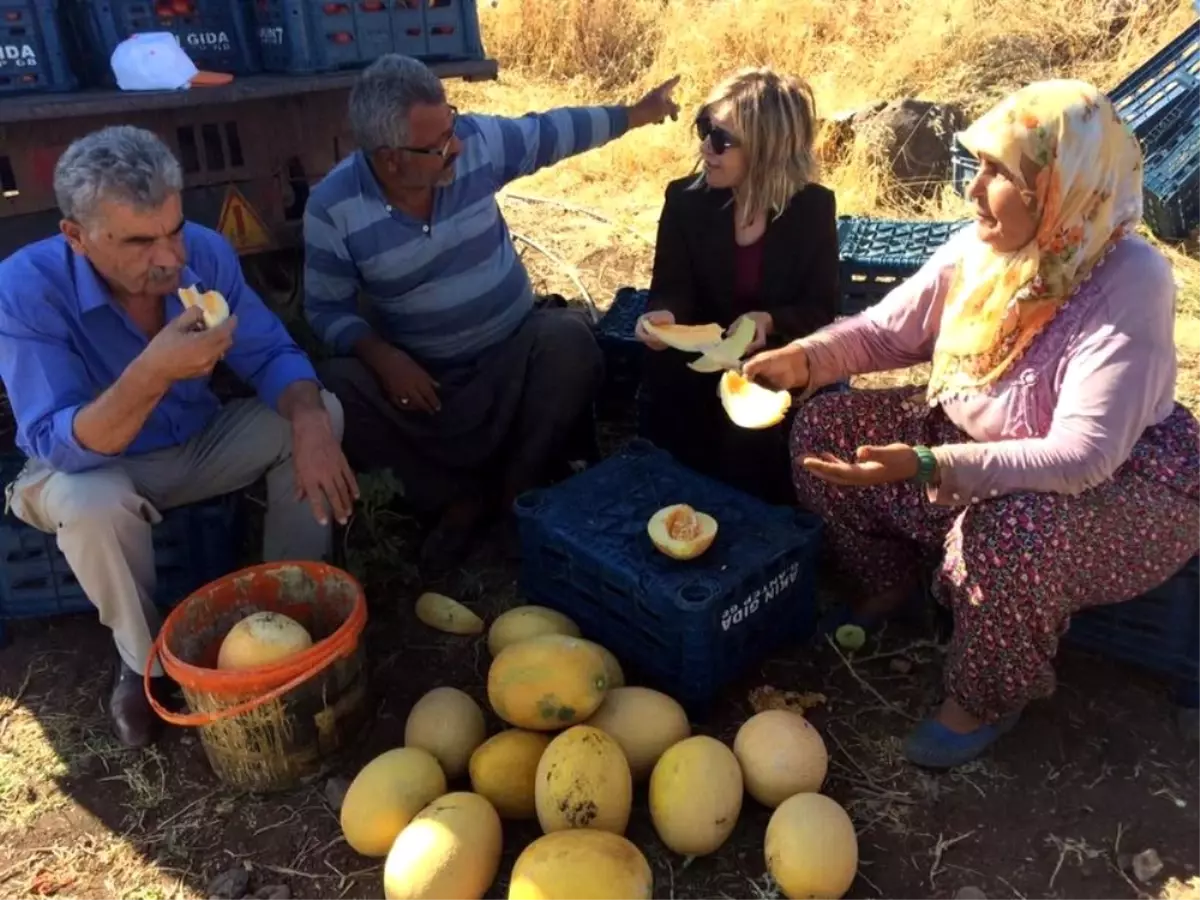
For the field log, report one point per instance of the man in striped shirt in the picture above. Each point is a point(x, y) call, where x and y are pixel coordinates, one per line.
point(450, 375)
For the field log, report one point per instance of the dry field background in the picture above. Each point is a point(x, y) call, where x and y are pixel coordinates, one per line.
point(1095, 776)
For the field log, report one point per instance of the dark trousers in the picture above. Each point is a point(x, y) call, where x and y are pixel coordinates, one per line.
point(509, 420)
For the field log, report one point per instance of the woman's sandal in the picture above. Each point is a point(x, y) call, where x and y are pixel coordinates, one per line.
point(931, 745)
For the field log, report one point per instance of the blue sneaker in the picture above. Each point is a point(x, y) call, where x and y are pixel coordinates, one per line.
point(931, 745)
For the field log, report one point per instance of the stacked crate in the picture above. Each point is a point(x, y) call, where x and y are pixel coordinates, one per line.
point(1160, 102)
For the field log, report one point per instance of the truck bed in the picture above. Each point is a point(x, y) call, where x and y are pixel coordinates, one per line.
point(42, 106)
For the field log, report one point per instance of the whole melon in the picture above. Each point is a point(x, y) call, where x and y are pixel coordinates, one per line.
point(612, 666)
point(644, 722)
point(546, 683)
point(696, 795)
point(449, 724)
point(811, 847)
point(504, 770)
point(583, 781)
point(451, 848)
point(581, 864)
point(260, 639)
point(524, 622)
point(781, 754)
point(386, 794)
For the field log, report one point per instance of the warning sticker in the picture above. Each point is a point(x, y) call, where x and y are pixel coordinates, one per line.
point(240, 224)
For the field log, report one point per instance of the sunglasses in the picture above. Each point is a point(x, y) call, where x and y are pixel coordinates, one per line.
point(442, 151)
point(718, 138)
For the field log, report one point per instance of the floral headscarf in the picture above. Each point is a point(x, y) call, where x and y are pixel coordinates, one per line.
point(1081, 169)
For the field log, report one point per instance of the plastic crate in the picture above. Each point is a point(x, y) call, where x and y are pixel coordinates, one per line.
point(323, 36)
point(217, 34)
point(192, 546)
point(1148, 94)
point(1171, 183)
point(622, 350)
point(878, 254)
point(1159, 631)
point(686, 628)
point(33, 53)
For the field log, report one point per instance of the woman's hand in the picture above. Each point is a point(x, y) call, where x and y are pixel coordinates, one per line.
point(785, 369)
point(872, 466)
point(655, 317)
point(764, 325)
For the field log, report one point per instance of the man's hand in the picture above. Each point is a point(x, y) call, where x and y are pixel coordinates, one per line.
point(185, 349)
point(764, 325)
point(404, 381)
point(656, 107)
point(873, 466)
point(785, 369)
point(323, 476)
point(655, 317)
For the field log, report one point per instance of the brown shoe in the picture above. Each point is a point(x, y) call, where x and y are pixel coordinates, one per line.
point(134, 722)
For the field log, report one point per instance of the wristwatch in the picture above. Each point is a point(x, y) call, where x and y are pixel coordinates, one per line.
point(926, 465)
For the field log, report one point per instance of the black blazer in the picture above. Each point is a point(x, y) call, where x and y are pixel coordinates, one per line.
point(694, 260)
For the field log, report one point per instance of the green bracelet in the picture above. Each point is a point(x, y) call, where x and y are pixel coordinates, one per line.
point(926, 465)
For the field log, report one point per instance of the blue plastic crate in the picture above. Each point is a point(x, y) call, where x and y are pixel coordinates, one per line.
point(876, 255)
point(1146, 95)
point(217, 34)
point(1159, 631)
point(33, 54)
point(1171, 183)
point(192, 545)
point(622, 350)
point(686, 628)
point(323, 36)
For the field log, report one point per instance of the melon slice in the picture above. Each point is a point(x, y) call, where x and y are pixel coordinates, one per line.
point(211, 303)
point(681, 532)
point(688, 338)
point(751, 405)
point(727, 354)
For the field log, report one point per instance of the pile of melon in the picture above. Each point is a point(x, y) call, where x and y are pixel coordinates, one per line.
point(578, 744)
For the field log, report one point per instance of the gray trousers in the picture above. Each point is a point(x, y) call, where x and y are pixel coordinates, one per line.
point(103, 517)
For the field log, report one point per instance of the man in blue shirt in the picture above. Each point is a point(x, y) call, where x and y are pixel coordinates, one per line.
point(107, 376)
point(452, 377)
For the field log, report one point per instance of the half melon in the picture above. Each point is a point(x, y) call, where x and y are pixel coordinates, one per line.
point(681, 532)
point(751, 405)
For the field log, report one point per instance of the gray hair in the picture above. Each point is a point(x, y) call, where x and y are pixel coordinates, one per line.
point(122, 163)
point(383, 96)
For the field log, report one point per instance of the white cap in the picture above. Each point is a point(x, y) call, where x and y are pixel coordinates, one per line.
point(154, 61)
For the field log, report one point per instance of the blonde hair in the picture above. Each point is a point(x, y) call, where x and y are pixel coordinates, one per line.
point(773, 118)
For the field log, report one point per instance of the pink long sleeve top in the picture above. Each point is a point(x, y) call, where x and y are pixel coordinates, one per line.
point(1067, 414)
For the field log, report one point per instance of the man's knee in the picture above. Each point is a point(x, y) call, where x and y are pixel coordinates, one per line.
point(345, 377)
point(84, 500)
point(567, 351)
point(337, 416)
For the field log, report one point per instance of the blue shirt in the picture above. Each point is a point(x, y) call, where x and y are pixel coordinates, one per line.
point(63, 341)
point(447, 289)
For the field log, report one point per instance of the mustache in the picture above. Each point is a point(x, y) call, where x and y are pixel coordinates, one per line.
point(164, 273)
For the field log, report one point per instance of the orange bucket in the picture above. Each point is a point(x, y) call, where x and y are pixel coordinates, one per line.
point(269, 727)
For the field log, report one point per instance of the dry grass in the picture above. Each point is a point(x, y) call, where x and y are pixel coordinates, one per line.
point(852, 51)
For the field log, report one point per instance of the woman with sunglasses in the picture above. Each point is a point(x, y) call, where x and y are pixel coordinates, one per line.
point(751, 236)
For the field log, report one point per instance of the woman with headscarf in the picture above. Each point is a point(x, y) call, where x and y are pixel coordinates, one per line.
point(1046, 463)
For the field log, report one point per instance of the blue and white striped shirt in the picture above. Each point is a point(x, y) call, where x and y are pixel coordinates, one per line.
point(446, 290)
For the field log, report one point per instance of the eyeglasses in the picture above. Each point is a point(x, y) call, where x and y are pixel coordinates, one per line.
point(444, 150)
point(718, 138)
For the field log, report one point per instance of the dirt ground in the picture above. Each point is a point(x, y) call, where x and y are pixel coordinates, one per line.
point(1089, 779)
